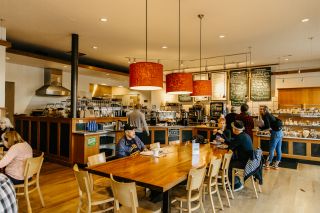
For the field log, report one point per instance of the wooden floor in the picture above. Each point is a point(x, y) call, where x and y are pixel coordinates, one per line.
point(285, 190)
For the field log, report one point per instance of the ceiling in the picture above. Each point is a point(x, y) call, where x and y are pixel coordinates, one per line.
point(272, 28)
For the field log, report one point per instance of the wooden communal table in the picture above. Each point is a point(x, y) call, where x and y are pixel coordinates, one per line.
point(160, 174)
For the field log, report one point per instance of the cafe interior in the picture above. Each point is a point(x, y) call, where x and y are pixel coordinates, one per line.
point(160, 106)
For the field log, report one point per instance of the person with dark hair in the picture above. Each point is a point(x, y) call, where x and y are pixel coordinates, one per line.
point(246, 119)
point(241, 145)
point(221, 134)
point(274, 125)
point(129, 144)
point(230, 117)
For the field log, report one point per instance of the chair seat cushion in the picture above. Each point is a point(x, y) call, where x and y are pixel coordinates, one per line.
point(180, 193)
point(98, 198)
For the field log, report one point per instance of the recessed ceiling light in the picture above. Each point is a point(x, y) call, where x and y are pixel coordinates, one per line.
point(95, 47)
point(286, 59)
point(120, 86)
point(305, 20)
point(221, 36)
point(7, 58)
point(103, 19)
point(164, 47)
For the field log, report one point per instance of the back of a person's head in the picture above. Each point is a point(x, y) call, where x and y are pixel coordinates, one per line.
point(244, 108)
point(137, 106)
point(13, 137)
point(233, 109)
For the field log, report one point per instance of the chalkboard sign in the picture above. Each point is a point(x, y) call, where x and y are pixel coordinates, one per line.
point(238, 87)
point(261, 84)
point(184, 98)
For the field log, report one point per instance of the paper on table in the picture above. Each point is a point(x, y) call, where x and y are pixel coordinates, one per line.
point(148, 153)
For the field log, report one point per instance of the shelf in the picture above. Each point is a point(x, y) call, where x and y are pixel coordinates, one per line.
point(315, 126)
point(286, 137)
point(297, 115)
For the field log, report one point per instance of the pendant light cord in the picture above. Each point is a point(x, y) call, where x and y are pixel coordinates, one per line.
point(146, 30)
point(179, 38)
point(200, 16)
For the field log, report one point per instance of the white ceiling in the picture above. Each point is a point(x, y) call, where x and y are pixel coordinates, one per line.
point(273, 28)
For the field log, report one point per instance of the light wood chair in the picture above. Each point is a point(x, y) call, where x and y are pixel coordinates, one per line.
point(31, 180)
point(240, 172)
point(192, 192)
point(211, 181)
point(89, 199)
point(223, 176)
point(125, 194)
point(98, 183)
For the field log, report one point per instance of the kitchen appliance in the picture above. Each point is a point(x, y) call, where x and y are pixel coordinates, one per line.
point(107, 143)
point(185, 118)
point(52, 84)
point(153, 118)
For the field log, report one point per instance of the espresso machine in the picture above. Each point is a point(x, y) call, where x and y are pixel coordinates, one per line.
point(184, 118)
point(153, 118)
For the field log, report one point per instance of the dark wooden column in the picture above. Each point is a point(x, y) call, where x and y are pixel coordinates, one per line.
point(74, 74)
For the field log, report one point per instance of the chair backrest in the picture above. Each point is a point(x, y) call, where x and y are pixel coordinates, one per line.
point(33, 166)
point(214, 167)
point(195, 178)
point(83, 181)
point(97, 159)
point(226, 160)
point(125, 194)
point(1, 150)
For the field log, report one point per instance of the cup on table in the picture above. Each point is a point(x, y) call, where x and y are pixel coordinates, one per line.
point(155, 152)
point(155, 145)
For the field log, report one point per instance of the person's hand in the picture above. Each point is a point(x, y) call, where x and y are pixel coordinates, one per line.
point(220, 140)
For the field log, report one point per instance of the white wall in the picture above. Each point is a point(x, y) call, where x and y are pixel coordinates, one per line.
point(2, 67)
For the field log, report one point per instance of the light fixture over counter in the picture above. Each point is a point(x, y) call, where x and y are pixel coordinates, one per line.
point(181, 82)
point(201, 87)
point(146, 75)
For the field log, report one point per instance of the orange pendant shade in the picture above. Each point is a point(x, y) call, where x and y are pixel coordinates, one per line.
point(202, 88)
point(179, 83)
point(146, 76)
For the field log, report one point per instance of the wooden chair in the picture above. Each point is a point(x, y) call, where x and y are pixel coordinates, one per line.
point(88, 198)
point(192, 192)
point(125, 194)
point(240, 172)
point(99, 183)
point(211, 181)
point(31, 180)
point(223, 176)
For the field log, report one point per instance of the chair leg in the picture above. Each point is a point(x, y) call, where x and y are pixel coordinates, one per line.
point(259, 187)
point(180, 206)
point(40, 194)
point(233, 178)
point(219, 197)
point(230, 189)
point(26, 194)
point(226, 192)
point(201, 206)
point(254, 186)
point(79, 206)
point(211, 199)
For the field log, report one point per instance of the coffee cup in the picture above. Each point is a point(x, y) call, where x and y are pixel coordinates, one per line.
point(155, 152)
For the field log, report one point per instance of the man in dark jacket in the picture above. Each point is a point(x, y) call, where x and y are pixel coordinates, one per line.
point(241, 145)
point(231, 117)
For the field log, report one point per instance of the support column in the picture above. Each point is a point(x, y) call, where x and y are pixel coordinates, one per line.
point(74, 74)
point(3, 47)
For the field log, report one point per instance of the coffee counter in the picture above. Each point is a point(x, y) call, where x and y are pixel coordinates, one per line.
point(292, 147)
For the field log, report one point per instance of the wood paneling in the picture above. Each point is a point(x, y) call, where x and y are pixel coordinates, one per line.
point(298, 96)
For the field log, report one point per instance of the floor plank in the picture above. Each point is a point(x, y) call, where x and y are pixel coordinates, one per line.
point(284, 190)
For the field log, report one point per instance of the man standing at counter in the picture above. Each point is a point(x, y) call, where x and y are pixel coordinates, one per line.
point(138, 119)
point(129, 144)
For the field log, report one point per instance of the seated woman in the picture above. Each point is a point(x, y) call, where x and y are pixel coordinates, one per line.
point(221, 134)
point(15, 159)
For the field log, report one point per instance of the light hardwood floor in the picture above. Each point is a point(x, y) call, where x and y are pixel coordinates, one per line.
point(285, 190)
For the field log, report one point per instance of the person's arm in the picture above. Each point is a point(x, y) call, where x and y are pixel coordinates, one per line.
point(140, 144)
point(9, 156)
point(233, 144)
point(120, 151)
point(227, 136)
point(266, 121)
point(145, 125)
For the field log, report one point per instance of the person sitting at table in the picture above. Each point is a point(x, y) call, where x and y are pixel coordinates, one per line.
point(221, 134)
point(241, 145)
point(129, 144)
point(14, 160)
point(5, 126)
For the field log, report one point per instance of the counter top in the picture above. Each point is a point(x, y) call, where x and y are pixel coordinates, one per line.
point(288, 137)
point(180, 127)
point(90, 133)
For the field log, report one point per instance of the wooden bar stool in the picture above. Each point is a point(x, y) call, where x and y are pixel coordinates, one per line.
point(31, 179)
point(241, 171)
point(211, 181)
point(192, 193)
point(223, 176)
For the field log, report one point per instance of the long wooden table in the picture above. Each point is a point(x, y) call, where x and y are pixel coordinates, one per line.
point(160, 174)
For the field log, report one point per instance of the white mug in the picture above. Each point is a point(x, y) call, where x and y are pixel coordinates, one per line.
point(155, 152)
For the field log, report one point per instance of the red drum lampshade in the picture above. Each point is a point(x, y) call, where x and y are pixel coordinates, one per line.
point(146, 76)
point(179, 83)
point(202, 88)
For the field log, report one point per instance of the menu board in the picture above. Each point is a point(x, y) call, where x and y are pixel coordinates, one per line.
point(238, 87)
point(184, 98)
point(261, 84)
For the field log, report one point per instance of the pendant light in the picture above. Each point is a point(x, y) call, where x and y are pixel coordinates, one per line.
point(201, 87)
point(146, 75)
point(181, 82)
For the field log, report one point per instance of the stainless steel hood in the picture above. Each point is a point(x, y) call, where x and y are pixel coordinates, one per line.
point(52, 84)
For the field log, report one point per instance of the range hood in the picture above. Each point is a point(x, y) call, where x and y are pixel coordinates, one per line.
point(52, 84)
